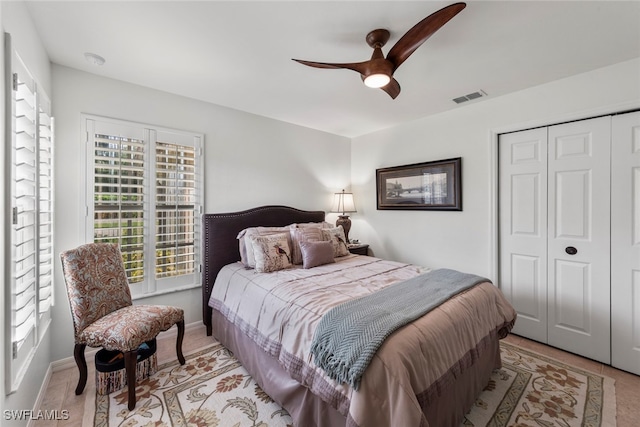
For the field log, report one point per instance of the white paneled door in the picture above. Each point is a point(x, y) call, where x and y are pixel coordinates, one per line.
point(523, 229)
point(625, 243)
point(578, 262)
point(555, 234)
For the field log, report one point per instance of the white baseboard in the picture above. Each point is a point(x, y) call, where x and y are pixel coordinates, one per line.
point(41, 393)
point(70, 362)
point(173, 332)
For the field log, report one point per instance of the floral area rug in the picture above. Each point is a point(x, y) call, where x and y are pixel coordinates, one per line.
point(534, 390)
point(212, 389)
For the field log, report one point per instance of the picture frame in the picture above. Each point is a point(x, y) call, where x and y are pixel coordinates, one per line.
point(433, 185)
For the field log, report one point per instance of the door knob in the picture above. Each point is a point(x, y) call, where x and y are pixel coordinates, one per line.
point(571, 250)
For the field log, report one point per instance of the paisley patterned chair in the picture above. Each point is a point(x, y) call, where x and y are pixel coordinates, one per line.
point(103, 313)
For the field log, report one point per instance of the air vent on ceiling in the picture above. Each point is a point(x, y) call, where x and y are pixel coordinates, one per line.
point(469, 97)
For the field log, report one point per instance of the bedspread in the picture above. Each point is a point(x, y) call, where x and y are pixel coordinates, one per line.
point(281, 310)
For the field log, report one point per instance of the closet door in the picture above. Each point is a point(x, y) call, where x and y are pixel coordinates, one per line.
point(523, 228)
point(579, 237)
point(625, 243)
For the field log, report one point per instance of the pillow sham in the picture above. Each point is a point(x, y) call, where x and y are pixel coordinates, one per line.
point(336, 237)
point(271, 251)
point(247, 256)
point(323, 224)
point(315, 253)
point(299, 235)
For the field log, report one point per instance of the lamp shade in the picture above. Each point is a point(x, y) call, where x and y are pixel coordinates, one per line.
point(343, 202)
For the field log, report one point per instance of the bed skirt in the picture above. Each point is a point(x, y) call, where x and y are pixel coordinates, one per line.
point(444, 404)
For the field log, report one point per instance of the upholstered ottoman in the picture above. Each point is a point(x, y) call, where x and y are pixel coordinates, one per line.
point(110, 372)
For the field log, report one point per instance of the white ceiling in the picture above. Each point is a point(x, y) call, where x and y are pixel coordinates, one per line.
point(238, 53)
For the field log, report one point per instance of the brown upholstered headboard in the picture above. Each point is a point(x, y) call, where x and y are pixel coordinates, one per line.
point(220, 246)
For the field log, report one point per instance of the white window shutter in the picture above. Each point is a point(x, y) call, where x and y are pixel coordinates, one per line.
point(29, 193)
point(119, 192)
point(45, 208)
point(176, 200)
point(145, 194)
point(24, 168)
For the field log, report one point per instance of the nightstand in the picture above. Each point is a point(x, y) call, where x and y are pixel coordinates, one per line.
point(359, 248)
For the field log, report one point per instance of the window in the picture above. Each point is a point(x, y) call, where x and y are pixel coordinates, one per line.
point(144, 187)
point(29, 198)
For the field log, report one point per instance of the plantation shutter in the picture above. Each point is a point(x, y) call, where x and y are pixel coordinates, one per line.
point(45, 205)
point(29, 197)
point(176, 204)
point(118, 177)
point(24, 195)
point(146, 196)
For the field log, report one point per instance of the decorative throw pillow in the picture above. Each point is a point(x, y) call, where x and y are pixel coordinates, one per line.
point(316, 253)
point(323, 224)
point(271, 252)
point(299, 235)
point(247, 256)
point(336, 237)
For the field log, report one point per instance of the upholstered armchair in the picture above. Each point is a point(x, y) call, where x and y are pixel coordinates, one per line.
point(103, 313)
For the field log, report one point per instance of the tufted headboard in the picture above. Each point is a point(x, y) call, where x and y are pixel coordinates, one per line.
point(220, 246)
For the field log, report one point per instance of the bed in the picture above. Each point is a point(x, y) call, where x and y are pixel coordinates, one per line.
point(423, 375)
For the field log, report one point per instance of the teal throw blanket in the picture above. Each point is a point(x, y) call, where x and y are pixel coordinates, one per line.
point(349, 335)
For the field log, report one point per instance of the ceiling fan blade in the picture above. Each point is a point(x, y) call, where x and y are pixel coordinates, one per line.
point(392, 88)
point(360, 67)
point(421, 32)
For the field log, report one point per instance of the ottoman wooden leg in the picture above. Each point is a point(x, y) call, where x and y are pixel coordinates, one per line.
point(130, 361)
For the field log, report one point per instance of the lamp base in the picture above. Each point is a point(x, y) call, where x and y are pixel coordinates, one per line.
point(345, 222)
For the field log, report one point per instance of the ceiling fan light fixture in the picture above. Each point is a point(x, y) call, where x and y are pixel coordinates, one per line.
point(377, 80)
point(378, 71)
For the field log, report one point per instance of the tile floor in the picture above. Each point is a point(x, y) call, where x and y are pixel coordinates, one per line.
point(60, 392)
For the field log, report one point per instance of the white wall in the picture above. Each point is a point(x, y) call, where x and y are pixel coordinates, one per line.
point(249, 161)
point(16, 21)
point(3, 168)
point(463, 240)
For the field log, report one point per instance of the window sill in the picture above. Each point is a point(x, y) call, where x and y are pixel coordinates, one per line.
point(164, 292)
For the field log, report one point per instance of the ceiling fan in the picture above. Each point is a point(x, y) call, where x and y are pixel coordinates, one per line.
point(378, 71)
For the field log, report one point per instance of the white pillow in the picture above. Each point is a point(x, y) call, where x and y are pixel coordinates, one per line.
point(336, 237)
point(299, 235)
point(323, 224)
point(247, 256)
point(272, 252)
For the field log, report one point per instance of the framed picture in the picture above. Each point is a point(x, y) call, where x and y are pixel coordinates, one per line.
point(421, 186)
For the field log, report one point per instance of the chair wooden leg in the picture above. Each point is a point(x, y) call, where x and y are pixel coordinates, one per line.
point(130, 361)
point(78, 354)
point(179, 338)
